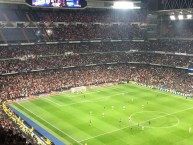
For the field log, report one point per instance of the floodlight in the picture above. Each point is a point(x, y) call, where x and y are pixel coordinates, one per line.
point(172, 17)
point(124, 5)
point(38, 33)
point(180, 17)
point(189, 16)
point(49, 32)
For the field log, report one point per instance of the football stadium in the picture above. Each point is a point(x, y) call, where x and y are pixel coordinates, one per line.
point(96, 72)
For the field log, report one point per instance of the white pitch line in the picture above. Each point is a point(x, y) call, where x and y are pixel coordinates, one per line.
point(52, 126)
point(93, 90)
point(99, 99)
point(80, 102)
point(87, 100)
point(168, 114)
point(178, 121)
point(51, 101)
point(162, 92)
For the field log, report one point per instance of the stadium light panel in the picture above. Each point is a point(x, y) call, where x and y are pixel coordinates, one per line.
point(180, 17)
point(49, 32)
point(172, 17)
point(124, 5)
point(189, 16)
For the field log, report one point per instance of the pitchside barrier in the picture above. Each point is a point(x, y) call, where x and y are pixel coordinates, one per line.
point(78, 89)
point(164, 89)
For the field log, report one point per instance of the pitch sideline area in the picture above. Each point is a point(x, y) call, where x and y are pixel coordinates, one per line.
point(123, 114)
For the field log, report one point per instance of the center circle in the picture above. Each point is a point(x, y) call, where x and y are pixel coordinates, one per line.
point(154, 119)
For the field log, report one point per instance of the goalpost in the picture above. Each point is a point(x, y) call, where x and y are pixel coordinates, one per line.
point(78, 89)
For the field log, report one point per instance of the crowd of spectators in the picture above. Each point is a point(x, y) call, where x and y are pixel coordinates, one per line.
point(24, 59)
point(39, 68)
point(40, 50)
point(134, 58)
point(19, 65)
point(181, 29)
point(34, 83)
point(27, 58)
point(74, 32)
point(81, 32)
point(29, 61)
point(76, 25)
point(61, 15)
point(98, 23)
point(94, 15)
point(11, 134)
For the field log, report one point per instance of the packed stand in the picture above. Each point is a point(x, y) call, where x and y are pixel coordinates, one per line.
point(11, 134)
point(23, 13)
point(85, 15)
point(59, 49)
point(90, 15)
point(73, 32)
point(20, 65)
point(29, 61)
point(78, 25)
point(27, 58)
point(178, 29)
point(81, 32)
point(34, 83)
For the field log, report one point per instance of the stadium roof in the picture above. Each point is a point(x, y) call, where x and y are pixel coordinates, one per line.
point(175, 11)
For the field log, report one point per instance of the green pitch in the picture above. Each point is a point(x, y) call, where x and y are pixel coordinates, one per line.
point(118, 115)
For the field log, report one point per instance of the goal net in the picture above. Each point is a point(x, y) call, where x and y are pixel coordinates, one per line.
point(78, 89)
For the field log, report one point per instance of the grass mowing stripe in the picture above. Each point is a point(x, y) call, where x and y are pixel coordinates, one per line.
point(158, 91)
point(93, 100)
point(94, 90)
point(106, 97)
point(51, 101)
point(74, 119)
point(74, 95)
point(46, 122)
point(167, 114)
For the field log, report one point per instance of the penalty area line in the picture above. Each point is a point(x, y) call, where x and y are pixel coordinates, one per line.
point(106, 97)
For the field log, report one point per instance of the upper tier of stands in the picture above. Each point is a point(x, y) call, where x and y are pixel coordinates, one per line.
point(42, 49)
point(69, 16)
point(79, 24)
point(36, 57)
point(182, 29)
point(90, 28)
point(71, 32)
